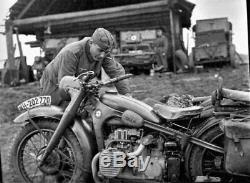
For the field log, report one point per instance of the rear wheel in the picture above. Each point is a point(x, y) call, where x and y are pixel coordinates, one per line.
point(64, 164)
point(207, 162)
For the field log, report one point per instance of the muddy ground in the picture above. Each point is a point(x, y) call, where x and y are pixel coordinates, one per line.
point(201, 83)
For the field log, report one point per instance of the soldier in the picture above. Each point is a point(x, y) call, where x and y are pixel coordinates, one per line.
point(38, 67)
point(161, 49)
point(88, 54)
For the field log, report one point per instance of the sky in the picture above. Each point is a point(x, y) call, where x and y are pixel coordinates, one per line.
point(30, 53)
point(235, 10)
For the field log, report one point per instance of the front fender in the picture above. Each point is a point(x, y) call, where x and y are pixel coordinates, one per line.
point(80, 128)
point(44, 111)
point(86, 138)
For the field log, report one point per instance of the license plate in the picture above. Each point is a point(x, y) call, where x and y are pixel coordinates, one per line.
point(35, 102)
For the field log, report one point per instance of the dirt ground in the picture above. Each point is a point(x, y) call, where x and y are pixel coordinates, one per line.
point(200, 83)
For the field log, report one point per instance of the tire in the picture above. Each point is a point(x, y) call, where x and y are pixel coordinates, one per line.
point(232, 56)
point(202, 160)
point(64, 163)
point(199, 155)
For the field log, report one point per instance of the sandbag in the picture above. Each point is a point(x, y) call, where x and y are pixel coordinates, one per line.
point(237, 146)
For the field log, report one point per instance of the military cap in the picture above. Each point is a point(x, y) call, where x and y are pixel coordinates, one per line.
point(103, 38)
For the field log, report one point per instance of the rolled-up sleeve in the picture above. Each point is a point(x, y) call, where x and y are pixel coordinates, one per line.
point(115, 69)
point(68, 65)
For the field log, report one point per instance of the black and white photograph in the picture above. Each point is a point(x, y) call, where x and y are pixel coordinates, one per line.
point(124, 91)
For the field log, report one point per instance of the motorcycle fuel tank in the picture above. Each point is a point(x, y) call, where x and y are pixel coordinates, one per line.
point(122, 103)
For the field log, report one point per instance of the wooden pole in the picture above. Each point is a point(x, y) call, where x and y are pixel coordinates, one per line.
point(188, 42)
point(18, 42)
point(23, 68)
point(10, 74)
point(9, 42)
point(172, 29)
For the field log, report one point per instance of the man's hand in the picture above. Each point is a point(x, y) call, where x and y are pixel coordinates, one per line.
point(69, 82)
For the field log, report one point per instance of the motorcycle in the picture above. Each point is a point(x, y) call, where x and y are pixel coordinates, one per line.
point(123, 139)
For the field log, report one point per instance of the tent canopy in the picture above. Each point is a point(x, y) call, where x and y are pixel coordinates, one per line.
point(64, 18)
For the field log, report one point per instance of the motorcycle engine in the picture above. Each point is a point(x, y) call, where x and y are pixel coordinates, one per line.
point(150, 164)
point(118, 144)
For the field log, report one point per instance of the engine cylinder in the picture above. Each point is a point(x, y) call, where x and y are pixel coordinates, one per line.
point(106, 162)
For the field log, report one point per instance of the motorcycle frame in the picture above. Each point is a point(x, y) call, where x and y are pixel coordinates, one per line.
point(109, 113)
point(84, 132)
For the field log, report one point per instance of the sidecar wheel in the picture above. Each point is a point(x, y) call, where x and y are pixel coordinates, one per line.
point(64, 164)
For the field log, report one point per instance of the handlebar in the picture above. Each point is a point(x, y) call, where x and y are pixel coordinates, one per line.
point(88, 75)
point(93, 87)
point(114, 80)
point(217, 94)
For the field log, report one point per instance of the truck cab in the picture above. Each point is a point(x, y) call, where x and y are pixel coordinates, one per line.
point(135, 53)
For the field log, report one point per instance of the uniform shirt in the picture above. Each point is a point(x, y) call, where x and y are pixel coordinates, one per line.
point(161, 44)
point(74, 59)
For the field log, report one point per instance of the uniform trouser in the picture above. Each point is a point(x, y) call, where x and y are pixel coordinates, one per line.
point(59, 93)
point(162, 59)
point(181, 59)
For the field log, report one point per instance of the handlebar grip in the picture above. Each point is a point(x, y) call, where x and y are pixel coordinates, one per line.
point(118, 79)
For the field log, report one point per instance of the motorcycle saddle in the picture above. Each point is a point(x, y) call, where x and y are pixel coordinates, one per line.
point(171, 113)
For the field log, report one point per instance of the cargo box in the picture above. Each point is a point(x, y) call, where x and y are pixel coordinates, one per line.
point(210, 37)
point(213, 24)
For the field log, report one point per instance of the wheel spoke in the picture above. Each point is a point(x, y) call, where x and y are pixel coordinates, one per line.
point(36, 170)
point(65, 175)
point(29, 154)
point(65, 156)
point(34, 146)
point(211, 153)
point(43, 178)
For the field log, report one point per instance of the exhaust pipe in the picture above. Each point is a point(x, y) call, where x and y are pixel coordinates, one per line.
point(94, 167)
point(144, 142)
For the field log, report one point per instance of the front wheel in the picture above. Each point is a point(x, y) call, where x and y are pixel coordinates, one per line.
point(64, 164)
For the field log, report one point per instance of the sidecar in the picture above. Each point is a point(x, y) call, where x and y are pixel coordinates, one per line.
point(237, 145)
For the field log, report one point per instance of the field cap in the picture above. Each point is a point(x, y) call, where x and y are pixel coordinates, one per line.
point(104, 39)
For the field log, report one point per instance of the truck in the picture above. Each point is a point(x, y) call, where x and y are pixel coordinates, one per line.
point(213, 42)
point(135, 51)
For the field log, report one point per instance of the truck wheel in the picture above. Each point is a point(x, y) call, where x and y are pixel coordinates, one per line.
point(232, 56)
